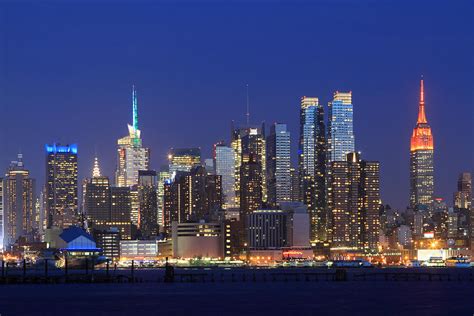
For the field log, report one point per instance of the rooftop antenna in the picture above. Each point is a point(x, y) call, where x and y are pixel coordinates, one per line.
point(134, 108)
point(248, 105)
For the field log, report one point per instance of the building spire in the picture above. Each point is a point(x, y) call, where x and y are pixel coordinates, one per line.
point(248, 106)
point(421, 110)
point(96, 170)
point(134, 108)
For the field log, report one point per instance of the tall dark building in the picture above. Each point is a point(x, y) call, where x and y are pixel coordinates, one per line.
point(192, 196)
point(19, 204)
point(61, 185)
point(148, 209)
point(463, 196)
point(295, 185)
point(120, 211)
point(354, 202)
point(312, 165)
point(96, 197)
point(267, 229)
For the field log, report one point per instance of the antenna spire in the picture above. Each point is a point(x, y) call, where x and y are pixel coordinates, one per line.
point(248, 105)
point(421, 110)
point(134, 108)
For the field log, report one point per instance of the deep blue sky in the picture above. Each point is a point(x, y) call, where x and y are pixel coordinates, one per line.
point(66, 72)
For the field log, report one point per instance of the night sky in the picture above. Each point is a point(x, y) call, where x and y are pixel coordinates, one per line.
point(66, 72)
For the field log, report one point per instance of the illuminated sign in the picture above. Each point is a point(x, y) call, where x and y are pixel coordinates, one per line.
point(428, 235)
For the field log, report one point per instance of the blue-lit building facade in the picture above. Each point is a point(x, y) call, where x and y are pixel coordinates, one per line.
point(61, 185)
point(340, 127)
point(224, 162)
point(312, 165)
point(278, 165)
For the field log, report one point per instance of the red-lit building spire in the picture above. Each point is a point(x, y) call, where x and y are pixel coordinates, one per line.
point(421, 139)
point(421, 110)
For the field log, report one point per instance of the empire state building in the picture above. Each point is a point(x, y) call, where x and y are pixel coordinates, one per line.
point(421, 160)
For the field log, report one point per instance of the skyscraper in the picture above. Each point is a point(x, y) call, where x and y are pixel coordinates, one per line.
point(19, 204)
point(183, 159)
point(340, 127)
point(147, 198)
point(163, 176)
point(224, 157)
point(61, 185)
point(278, 165)
point(252, 169)
point(421, 160)
point(120, 211)
point(2, 217)
point(354, 201)
point(96, 198)
point(463, 196)
point(312, 165)
point(192, 196)
point(131, 155)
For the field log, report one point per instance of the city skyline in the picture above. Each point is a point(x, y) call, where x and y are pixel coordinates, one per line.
point(95, 126)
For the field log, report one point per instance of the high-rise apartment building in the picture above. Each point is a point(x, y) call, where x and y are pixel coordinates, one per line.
point(19, 204)
point(183, 159)
point(61, 185)
point(421, 160)
point(354, 202)
point(340, 127)
point(224, 161)
point(278, 165)
point(312, 165)
point(148, 209)
point(131, 155)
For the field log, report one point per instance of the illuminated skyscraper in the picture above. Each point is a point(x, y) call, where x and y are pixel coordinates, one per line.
point(278, 165)
point(236, 145)
point(183, 159)
point(252, 169)
point(421, 160)
point(354, 202)
point(312, 165)
point(163, 176)
point(19, 204)
point(61, 185)
point(131, 155)
point(224, 157)
point(252, 152)
point(2, 217)
point(340, 127)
